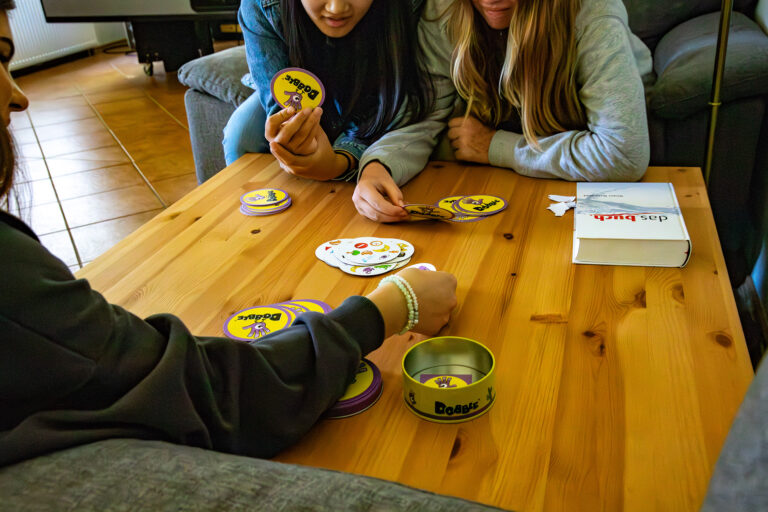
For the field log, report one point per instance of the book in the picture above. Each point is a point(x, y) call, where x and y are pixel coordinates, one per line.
point(629, 224)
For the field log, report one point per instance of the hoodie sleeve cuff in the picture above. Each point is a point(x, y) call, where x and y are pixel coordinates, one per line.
point(501, 152)
point(362, 321)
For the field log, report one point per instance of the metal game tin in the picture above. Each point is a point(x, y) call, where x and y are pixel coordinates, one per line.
point(449, 379)
point(364, 391)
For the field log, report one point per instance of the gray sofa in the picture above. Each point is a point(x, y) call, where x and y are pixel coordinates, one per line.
point(131, 474)
point(682, 35)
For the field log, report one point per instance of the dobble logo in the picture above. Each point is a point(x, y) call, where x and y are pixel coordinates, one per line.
point(298, 88)
point(253, 323)
point(480, 204)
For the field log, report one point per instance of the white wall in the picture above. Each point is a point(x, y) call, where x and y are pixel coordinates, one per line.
point(109, 32)
point(37, 41)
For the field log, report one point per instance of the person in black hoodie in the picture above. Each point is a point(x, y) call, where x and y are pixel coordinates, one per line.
point(75, 369)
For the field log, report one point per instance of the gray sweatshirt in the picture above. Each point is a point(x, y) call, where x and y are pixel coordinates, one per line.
point(610, 63)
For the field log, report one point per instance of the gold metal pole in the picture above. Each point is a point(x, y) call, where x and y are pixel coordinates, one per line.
point(717, 81)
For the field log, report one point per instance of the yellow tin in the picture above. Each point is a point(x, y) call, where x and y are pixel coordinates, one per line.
point(449, 379)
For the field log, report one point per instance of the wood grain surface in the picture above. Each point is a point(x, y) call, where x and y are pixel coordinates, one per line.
point(616, 386)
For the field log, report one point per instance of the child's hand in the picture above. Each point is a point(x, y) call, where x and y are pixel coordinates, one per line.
point(377, 195)
point(435, 291)
point(321, 164)
point(301, 146)
point(295, 131)
point(470, 139)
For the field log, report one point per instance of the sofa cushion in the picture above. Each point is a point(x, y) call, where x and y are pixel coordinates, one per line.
point(684, 62)
point(129, 474)
point(219, 75)
point(651, 19)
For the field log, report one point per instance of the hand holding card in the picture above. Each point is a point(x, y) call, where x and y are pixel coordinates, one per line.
point(377, 196)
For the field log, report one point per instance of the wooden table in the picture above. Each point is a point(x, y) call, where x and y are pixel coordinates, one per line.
point(616, 385)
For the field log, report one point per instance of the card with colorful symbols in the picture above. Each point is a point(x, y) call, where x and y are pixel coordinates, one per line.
point(365, 256)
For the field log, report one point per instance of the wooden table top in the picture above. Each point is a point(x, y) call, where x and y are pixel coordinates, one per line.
point(616, 386)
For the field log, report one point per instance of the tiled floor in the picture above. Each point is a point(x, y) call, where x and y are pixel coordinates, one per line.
point(104, 148)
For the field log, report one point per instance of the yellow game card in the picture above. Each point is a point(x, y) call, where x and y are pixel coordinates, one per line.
point(297, 88)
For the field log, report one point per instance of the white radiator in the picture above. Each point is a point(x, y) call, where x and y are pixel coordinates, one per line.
point(37, 41)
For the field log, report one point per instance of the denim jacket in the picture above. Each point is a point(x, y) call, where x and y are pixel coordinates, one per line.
point(403, 153)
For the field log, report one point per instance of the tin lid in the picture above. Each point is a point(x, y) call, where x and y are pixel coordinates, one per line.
point(364, 391)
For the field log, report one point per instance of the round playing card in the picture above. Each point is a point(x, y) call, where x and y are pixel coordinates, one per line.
point(293, 307)
point(406, 249)
point(324, 252)
point(449, 202)
point(264, 197)
point(401, 264)
point(261, 211)
point(297, 88)
point(480, 204)
point(428, 211)
point(368, 251)
point(445, 381)
point(424, 266)
point(250, 324)
point(311, 305)
point(364, 391)
point(368, 270)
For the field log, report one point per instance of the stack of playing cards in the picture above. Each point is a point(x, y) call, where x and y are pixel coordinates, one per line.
point(250, 324)
point(366, 256)
point(458, 208)
point(264, 201)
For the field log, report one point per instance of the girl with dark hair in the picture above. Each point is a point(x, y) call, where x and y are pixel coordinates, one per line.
point(11, 96)
point(75, 369)
point(378, 124)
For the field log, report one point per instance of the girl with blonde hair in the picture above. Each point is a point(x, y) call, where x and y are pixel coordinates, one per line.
point(553, 88)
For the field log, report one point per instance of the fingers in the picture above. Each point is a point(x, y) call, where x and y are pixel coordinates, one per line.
point(376, 213)
point(392, 192)
point(291, 127)
point(456, 122)
point(288, 161)
point(370, 203)
point(275, 121)
point(386, 208)
point(304, 138)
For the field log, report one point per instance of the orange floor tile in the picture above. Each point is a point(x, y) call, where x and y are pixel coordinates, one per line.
point(89, 176)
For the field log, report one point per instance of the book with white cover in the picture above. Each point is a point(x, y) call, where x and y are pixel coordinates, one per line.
point(629, 224)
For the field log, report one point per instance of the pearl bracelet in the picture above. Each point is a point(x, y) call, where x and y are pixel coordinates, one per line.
point(410, 300)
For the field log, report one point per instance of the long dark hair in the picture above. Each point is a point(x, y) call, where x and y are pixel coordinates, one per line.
point(7, 162)
point(371, 72)
point(7, 154)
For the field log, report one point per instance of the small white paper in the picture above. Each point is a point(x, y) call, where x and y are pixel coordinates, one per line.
point(562, 199)
point(558, 209)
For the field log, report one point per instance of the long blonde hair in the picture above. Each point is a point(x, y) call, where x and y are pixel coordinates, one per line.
point(538, 73)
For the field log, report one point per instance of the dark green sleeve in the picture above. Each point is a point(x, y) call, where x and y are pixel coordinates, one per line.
point(75, 369)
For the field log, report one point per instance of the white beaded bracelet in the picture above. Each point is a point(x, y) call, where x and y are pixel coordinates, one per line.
point(410, 300)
